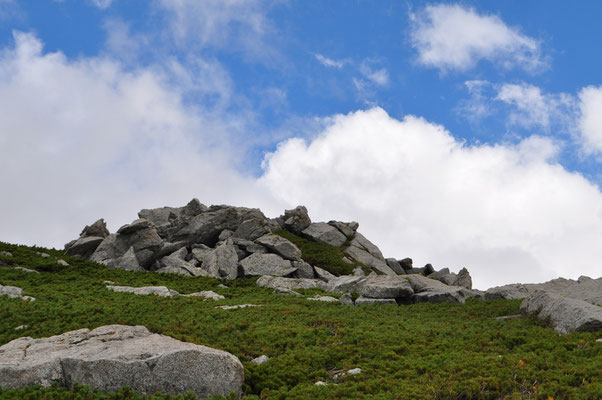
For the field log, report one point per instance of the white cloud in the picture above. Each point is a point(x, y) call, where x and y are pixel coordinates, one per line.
point(87, 139)
point(453, 37)
point(536, 109)
point(379, 77)
point(330, 63)
point(102, 4)
point(506, 212)
point(590, 119)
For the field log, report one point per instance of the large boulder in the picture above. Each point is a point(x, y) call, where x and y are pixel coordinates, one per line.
point(280, 246)
point(364, 257)
point(127, 262)
point(395, 266)
point(114, 356)
point(266, 264)
point(346, 228)
point(84, 246)
point(97, 229)
point(344, 283)
point(385, 287)
point(323, 233)
point(464, 280)
point(278, 282)
point(222, 262)
point(565, 314)
point(511, 291)
point(296, 220)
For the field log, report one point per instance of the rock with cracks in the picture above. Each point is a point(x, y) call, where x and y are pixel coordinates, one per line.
point(114, 356)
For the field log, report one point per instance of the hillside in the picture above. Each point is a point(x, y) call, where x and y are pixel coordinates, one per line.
point(430, 351)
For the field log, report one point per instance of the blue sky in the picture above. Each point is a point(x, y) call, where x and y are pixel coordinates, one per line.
point(463, 134)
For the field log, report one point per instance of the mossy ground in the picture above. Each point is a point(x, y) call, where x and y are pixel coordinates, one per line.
point(421, 351)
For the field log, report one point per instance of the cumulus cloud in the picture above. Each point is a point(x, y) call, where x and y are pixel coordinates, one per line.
point(379, 77)
point(84, 139)
point(507, 212)
point(453, 37)
point(590, 119)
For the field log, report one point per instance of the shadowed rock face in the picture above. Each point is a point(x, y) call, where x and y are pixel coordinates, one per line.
point(113, 356)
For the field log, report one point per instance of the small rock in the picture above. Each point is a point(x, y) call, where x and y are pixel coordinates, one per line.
point(221, 285)
point(108, 282)
point(21, 327)
point(279, 290)
point(146, 290)
point(323, 275)
point(6, 253)
point(506, 317)
point(260, 360)
point(321, 383)
point(14, 293)
point(43, 254)
point(327, 299)
point(62, 262)
point(347, 299)
point(366, 300)
point(354, 371)
point(207, 294)
point(238, 306)
point(599, 340)
point(358, 271)
point(27, 270)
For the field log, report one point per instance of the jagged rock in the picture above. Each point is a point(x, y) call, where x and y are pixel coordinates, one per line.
point(327, 299)
point(362, 256)
point(304, 270)
point(347, 299)
point(114, 356)
point(290, 283)
point(368, 300)
point(428, 269)
point(127, 261)
point(97, 229)
point(346, 229)
point(252, 228)
point(161, 291)
point(280, 246)
point(406, 264)
point(344, 283)
point(266, 264)
point(260, 360)
point(324, 275)
point(14, 293)
point(512, 291)
point(162, 218)
point(84, 246)
point(395, 266)
point(385, 287)
point(464, 279)
point(565, 314)
point(324, 233)
point(296, 220)
point(222, 262)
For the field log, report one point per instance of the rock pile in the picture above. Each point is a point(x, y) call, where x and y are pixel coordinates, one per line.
point(113, 356)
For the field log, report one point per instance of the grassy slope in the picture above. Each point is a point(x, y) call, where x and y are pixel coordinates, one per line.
point(426, 351)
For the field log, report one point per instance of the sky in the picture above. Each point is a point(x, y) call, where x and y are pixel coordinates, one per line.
point(462, 134)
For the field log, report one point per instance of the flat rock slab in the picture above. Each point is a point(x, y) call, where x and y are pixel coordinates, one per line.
point(565, 314)
point(164, 292)
point(114, 356)
point(277, 282)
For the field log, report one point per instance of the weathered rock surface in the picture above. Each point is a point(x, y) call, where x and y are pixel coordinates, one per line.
point(368, 300)
point(324, 233)
point(296, 220)
point(278, 282)
point(14, 293)
point(326, 299)
point(84, 246)
point(114, 356)
point(280, 246)
point(266, 264)
point(222, 262)
point(385, 287)
point(145, 290)
point(565, 314)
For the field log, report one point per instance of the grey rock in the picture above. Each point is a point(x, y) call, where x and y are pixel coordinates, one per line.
point(43, 255)
point(6, 253)
point(323, 233)
point(296, 220)
point(252, 229)
point(507, 317)
point(179, 267)
point(161, 291)
point(464, 279)
point(168, 248)
point(385, 287)
point(135, 226)
point(344, 283)
point(113, 356)
point(290, 283)
point(221, 285)
point(161, 218)
point(358, 271)
point(368, 300)
point(260, 360)
point(395, 266)
point(345, 228)
point(286, 291)
point(304, 270)
point(238, 306)
point(428, 269)
point(448, 294)
point(97, 229)
point(127, 261)
point(207, 294)
point(438, 274)
point(21, 327)
point(364, 257)
point(327, 299)
point(324, 275)
point(62, 262)
point(321, 383)
point(200, 252)
point(406, 264)
point(512, 291)
point(27, 270)
point(14, 293)
point(226, 234)
point(450, 279)
point(361, 242)
point(222, 262)
point(280, 246)
point(347, 299)
point(266, 264)
point(565, 314)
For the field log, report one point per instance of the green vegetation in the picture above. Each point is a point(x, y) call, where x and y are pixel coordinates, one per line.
point(322, 255)
point(420, 351)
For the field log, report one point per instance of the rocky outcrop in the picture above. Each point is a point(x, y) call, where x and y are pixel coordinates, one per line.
point(114, 356)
